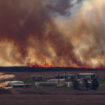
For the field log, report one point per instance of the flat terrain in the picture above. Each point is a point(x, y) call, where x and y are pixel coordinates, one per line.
point(52, 96)
point(52, 100)
point(25, 75)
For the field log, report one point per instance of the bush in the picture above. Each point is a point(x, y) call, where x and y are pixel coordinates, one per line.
point(86, 84)
point(76, 84)
point(4, 91)
point(95, 84)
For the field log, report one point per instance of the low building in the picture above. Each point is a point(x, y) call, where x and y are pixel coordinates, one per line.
point(16, 84)
point(51, 83)
point(65, 76)
point(56, 80)
point(68, 84)
point(89, 76)
point(46, 84)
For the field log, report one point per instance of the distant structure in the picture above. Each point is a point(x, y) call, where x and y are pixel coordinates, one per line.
point(65, 76)
point(89, 76)
point(16, 84)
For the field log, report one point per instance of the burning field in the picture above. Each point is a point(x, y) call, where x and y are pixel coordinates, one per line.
point(43, 39)
point(52, 33)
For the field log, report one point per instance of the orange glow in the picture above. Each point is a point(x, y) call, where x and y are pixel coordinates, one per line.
point(76, 67)
point(40, 66)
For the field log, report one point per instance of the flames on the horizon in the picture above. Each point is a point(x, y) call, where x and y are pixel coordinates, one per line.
point(55, 32)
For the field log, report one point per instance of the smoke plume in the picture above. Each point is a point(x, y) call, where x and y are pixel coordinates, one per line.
point(53, 32)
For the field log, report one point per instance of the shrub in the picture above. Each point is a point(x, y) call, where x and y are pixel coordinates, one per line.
point(76, 84)
point(86, 84)
point(95, 84)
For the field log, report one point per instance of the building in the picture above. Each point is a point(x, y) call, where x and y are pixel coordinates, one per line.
point(65, 76)
point(45, 84)
point(16, 84)
point(89, 76)
point(56, 80)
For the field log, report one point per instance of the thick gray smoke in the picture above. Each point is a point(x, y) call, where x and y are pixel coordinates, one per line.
point(56, 32)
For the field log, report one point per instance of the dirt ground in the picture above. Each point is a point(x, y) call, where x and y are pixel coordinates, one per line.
point(52, 100)
point(52, 96)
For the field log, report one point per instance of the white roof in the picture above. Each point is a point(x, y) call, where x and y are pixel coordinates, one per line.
point(16, 82)
point(55, 80)
point(86, 74)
